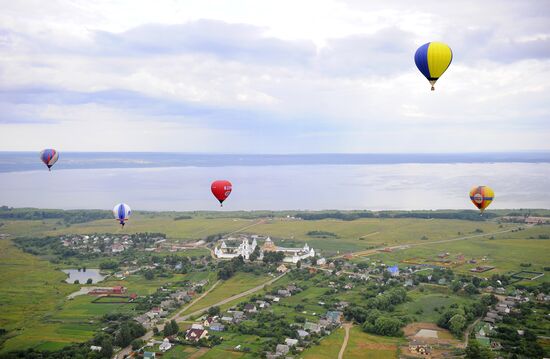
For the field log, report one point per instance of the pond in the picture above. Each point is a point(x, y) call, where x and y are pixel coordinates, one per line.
point(83, 275)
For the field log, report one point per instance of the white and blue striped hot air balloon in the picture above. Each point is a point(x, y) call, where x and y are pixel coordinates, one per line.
point(122, 213)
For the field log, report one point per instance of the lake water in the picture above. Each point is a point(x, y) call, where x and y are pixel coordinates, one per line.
point(83, 276)
point(304, 183)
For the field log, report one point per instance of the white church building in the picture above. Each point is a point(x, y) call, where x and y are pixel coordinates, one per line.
point(244, 249)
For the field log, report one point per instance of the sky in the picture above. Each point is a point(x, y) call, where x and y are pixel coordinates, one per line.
point(280, 76)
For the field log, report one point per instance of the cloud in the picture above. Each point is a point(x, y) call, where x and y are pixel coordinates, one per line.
point(321, 76)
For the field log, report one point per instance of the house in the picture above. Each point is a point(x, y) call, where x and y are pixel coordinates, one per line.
point(149, 355)
point(292, 288)
point(194, 335)
point(312, 327)
point(226, 319)
point(262, 304)
point(291, 342)
point(250, 308)
point(321, 261)
point(95, 348)
point(334, 317)
point(394, 271)
point(302, 333)
point(283, 293)
point(282, 268)
point(238, 316)
point(217, 327)
point(281, 349)
point(165, 346)
point(208, 321)
point(197, 326)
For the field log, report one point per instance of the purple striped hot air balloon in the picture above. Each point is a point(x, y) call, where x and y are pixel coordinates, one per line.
point(49, 156)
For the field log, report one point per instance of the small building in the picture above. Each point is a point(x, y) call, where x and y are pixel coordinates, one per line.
point(165, 346)
point(194, 335)
point(95, 348)
point(283, 293)
point(312, 327)
point(334, 317)
point(250, 308)
point(291, 342)
point(302, 333)
point(149, 355)
point(282, 268)
point(394, 271)
point(281, 349)
point(217, 327)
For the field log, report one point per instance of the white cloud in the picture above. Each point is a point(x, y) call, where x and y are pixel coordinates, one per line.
point(272, 76)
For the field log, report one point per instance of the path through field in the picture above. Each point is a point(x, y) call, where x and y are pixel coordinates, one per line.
point(424, 243)
point(180, 318)
point(347, 327)
point(226, 300)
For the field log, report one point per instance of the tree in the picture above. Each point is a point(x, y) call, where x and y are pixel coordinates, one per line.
point(175, 327)
point(89, 281)
point(457, 324)
point(475, 351)
point(106, 348)
point(76, 281)
point(387, 326)
point(212, 311)
point(123, 336)
point(137, 343)
point(299, 264)
point(255, 254)
point(456, 286)
point(149, 275)
point(171, 328)
point(470, 289)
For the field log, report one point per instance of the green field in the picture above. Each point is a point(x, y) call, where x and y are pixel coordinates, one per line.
point(364, 345)
point(36, 313)
point(328, 348)
point(423, 305)
point(234, 285)
point(497, 252)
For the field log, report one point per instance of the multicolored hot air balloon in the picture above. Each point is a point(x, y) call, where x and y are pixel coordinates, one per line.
point(49, 156)
point(122, 213)
point(481, 197)
point(221, 190)
point(432, 59)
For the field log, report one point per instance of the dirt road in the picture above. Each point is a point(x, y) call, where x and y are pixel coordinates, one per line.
point(347, 327)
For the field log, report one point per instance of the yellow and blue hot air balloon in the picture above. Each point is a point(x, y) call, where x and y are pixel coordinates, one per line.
point(482, 196)
point(432, 59)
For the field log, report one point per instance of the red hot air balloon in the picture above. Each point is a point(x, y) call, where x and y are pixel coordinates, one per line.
point(221, 189)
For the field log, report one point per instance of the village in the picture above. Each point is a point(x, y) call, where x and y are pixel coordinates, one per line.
point(316, 295)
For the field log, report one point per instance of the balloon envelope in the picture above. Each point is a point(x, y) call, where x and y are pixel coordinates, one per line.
point(432, 59)
point(122, 213)
point(482, 196)
point(49, 156)
point(221, 189)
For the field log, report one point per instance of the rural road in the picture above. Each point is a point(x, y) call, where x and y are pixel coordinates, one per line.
point(227, 300)
point(347, 327)
point(179, 318)
point(408, 245)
